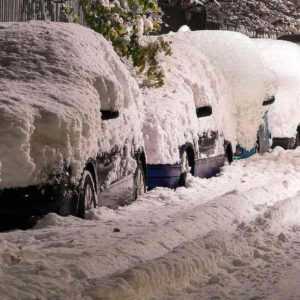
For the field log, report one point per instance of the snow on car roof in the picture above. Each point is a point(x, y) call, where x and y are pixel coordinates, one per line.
point(54, 79)
point(283, 58)
point(237, 57)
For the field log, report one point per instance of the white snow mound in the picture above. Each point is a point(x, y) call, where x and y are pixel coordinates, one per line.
point(54, 79)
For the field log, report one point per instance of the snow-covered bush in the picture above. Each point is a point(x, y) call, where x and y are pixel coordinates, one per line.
point(54, 80)
point(124, 23)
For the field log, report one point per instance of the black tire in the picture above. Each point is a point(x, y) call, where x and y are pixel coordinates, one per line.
point(139, 182)
point(228, 155)
point(88, 194)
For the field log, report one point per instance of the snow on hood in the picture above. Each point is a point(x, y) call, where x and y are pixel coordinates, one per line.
point(54, 79)
point(191, 81)
point(283, 58)
point(237, 57)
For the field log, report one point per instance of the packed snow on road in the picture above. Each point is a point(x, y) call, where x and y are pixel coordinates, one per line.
point(234, 236)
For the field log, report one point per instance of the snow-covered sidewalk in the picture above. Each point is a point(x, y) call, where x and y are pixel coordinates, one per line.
point(220, 238)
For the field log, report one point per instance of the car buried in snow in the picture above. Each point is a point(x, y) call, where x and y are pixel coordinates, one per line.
point(186, 128)
point(70, 122)
point(252, 84)
point(211, 109)
point(283, 59)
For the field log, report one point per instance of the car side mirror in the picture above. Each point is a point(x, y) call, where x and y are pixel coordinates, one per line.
point(203, 111)
point(269, 101)
point(108, 114)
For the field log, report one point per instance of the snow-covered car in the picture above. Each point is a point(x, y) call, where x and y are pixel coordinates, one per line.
point(251, 84)
point(70, 121)
point(188, 122)
point(283, 59)
point(220, 78)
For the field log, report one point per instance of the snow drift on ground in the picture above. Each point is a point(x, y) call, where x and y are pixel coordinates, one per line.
point(237, 57)
point(283, 58)
point(54, 79)
point(170, 121)
point(235, 236)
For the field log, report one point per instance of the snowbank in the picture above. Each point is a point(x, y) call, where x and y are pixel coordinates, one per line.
point(283, 58)
point(54, 79)
point(166, 241)
point(190, 81)
point(239, 60)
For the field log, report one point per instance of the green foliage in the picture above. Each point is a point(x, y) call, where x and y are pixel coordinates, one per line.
point(121, 25)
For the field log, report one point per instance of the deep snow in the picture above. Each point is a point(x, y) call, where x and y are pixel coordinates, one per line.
point(54, 79)
point(235, 236)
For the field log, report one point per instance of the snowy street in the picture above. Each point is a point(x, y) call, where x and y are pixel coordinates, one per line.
point(235, 236)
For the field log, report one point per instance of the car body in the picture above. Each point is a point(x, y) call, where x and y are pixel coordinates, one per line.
point(70, 121)
point(236, 56)
point(186, 128)
point(283, 59)
point(207, 69)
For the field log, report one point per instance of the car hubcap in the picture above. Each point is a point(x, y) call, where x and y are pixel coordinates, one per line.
point(88, 197)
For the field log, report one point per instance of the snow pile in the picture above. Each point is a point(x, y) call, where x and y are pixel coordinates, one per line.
point(54, 79)
point(213, 237)
point(283, 59)
point(239, 60)
point(190, 81)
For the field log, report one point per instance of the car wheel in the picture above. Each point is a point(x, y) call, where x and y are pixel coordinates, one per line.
point(185, 168)
point(88, 194)
point(228, 155)
point(139, 182)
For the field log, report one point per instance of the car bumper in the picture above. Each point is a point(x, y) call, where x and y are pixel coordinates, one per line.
point(163, 176)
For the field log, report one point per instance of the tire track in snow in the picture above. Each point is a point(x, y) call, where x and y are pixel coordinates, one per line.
point(204, 256)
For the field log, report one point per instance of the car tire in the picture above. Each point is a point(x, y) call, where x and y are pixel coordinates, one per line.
point(228, 155)
point(88, 194)
point(139, 182)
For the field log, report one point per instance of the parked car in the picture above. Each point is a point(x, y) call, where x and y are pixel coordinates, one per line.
point(189, 125)
point(283, 59)
point(236, 56)
point(70, 121)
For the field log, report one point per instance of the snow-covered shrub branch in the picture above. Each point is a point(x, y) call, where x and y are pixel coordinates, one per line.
point(124, 23)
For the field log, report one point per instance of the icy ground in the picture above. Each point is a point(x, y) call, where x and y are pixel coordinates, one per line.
point(236, 236)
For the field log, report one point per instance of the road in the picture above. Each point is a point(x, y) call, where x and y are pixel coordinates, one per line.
point(235, 236)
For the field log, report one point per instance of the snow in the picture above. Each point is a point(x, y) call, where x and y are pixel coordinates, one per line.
point(54, 79)
point(236, 56)
point(170, 117)
point(283, 59)
point(235, 236)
